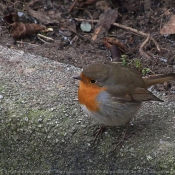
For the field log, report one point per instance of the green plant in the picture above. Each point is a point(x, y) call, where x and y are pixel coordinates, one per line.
point(145, 71)
point(137, 64)
point(124, 62)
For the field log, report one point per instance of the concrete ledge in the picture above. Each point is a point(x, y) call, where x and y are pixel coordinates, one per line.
point(44, 131)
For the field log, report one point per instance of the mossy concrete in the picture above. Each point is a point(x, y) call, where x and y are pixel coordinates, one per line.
point(42, 128)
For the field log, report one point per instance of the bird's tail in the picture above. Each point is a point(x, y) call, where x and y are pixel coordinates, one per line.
point(158, 79)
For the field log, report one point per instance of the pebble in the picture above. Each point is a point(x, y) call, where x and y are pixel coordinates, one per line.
point(1, 96)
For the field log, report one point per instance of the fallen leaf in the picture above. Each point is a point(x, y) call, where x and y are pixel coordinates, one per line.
point(11, 18)
point(43, 17)
point(21, 30)
point(115, 47)
point(103, 5)
point(169, 27)
point(104, 24)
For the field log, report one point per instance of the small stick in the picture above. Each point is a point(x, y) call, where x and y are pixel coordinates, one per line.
point(40, 38)
point(45, 37)
point(77, 33)
point(72, 6)
point(144, 54)
point(22, 42)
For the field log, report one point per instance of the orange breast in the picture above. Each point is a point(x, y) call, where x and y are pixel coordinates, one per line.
point(87, 94)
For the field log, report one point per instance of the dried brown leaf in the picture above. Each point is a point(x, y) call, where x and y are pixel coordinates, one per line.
point(44, 17)
point(169, 27)
point(103, 5)
point(11, 18)
point(114, 46)
point(21, 30)
point(104, 24)
point(117, 42)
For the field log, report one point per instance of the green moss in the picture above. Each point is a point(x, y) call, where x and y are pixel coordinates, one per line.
point(1, 88)
point(167, 163)
point(36, 114)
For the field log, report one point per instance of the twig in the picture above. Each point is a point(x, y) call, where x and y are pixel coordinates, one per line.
point(88, 20)
point(45, 37)
point(138, 32)
point(144, 54)
point(85, 39)
point(86, 12)
point(40, 38)
point(72, 6)
point(128, 28)
point(22, 42)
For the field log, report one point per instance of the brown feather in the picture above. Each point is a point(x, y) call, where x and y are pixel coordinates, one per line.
point(158, 79)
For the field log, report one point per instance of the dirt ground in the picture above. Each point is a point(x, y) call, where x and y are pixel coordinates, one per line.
point(142, 16)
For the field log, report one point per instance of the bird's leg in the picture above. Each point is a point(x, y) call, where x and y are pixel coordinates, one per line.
point(99, 132)
point(124, 137)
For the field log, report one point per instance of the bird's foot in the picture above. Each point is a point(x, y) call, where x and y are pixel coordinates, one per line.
point(124, 137)
point(99, 132)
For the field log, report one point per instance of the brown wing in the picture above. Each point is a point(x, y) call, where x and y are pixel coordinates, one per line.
point(129, 86)
point(142, 94)
point(122, 94)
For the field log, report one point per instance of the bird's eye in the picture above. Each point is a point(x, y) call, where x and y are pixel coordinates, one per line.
point(93, 81)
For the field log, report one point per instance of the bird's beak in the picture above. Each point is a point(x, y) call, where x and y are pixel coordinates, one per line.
point(78, 78)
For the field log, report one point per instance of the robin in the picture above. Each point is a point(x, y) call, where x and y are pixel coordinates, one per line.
point(112, 94)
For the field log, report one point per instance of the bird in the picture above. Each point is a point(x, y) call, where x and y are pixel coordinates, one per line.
point(112, 94)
